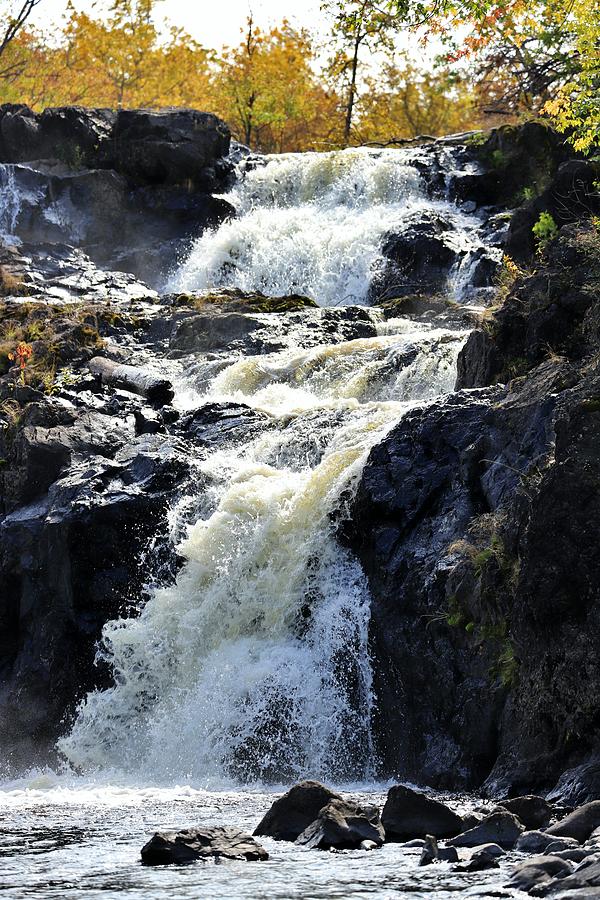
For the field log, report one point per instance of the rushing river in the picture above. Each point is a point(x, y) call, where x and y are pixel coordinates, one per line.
point(254, 668)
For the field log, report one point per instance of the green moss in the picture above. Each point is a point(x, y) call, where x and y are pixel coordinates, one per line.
point(506, 667)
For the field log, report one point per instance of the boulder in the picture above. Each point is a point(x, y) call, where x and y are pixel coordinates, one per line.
point(583, 882)
point(539, 870)
point(408, 814)
point(580, 784)
point(417, 259)
point(499, 828)
point(214, 423)
point(579, 824)
point(343, 825)
point(534, 812)
point(562, 843)
point(191, 844)
point(291, 814)
point(534, 842)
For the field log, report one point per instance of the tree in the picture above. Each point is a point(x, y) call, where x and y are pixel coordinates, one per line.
point(267, 90)
point(14, 16)
point(403, 102)
point(357, 25)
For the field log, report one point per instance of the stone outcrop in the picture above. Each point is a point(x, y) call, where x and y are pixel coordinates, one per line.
point(152, 172)
point(474, 520)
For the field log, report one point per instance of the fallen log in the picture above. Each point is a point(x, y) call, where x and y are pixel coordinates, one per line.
point(159, 391)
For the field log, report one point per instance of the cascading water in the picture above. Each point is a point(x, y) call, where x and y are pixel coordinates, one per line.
point(10, 201)
point(314, 223)
point(255, 664)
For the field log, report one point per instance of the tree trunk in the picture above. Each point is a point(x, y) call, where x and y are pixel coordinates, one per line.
point(352, 91)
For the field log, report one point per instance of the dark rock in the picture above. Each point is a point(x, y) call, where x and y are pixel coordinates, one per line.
point(538, 871)
point(72, 134)
point(584, 882)
point(579, 824)
point(148, 421)
point(503, 829)
point(214, 423)
point(534, 842)
point(432, 853)
point(534, 812)
point(569, 198)
point(344, 825)
point(192, 844)
point(574, 855)
point(479, 861)
point(71, 558)
point(418, 259)
point(408, 813)
point(580, 784)
point(562, 843)
point(177, 146)
point(291, 814)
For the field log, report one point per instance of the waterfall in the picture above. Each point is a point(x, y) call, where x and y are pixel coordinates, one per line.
point(313, 223)
point(10, 201)
point(254, 665)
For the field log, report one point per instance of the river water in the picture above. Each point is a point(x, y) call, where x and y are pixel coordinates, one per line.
point(253, 669)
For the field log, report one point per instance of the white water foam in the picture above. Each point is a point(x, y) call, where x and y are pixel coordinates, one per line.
point(255, 664)
point(314, 223)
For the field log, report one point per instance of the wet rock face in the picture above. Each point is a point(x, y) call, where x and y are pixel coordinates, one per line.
point(72, 559)
point(85, 169)
point(193, 844)
point(418, 259)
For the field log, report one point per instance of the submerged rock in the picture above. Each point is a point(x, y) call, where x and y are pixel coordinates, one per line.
point(408, 814)
point(344, 825)
point(291, 814)
point(192, 844)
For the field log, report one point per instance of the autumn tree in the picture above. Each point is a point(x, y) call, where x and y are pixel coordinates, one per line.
point(14, 15)
point(402, 101)
point(268, 92)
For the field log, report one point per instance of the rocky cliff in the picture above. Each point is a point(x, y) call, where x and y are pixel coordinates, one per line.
point(477, 522)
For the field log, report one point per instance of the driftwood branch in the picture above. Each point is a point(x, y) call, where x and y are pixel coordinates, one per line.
point(129, 378)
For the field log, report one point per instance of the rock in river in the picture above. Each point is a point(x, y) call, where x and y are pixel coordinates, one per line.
point(408, 814)
point(201, 843)
point(291, 814)
point(344, 825)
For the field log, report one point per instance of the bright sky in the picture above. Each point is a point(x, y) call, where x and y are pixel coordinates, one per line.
point(212, 22)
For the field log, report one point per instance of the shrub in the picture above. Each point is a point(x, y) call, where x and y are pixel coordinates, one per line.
point(545, 229)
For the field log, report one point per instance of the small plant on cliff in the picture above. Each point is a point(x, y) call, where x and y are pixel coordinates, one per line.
point(544, 230)
point(21, 356)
